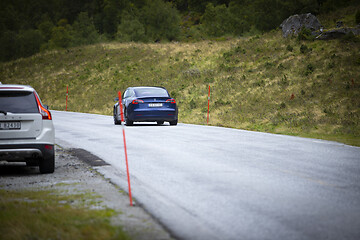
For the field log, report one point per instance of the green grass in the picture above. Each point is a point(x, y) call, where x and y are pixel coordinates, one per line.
point(51, 215)
point(262, 83)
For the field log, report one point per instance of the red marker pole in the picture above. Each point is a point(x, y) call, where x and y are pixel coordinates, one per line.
point(126, 158)
point(208, 107)
point(67, 93)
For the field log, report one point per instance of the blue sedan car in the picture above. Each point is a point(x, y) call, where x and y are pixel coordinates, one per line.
point(146, 104)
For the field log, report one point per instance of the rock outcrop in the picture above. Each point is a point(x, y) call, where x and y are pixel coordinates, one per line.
point(337, 33)
point(293, 24)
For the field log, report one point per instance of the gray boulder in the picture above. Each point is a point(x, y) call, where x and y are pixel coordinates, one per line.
point(293, 24)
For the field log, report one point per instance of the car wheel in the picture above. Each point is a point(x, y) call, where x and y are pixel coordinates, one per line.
point(127, 121)
point(47, 164)
point(173, 123)
point(116, 122)
point(160, 122)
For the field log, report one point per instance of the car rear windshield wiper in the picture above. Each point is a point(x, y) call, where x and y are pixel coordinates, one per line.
point(4, 112)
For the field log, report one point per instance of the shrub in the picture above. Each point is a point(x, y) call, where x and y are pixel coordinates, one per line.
point(309, 69)
point(282, 105)
point(284, 81)
point(305, 34)
point(357, 17)
point(192, 104)
point(192, 73)
point(304, 49)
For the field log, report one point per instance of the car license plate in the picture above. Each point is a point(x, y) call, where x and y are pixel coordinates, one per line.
point(10, 125)
point(155, 104)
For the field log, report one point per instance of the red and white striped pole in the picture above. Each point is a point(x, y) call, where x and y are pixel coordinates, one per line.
point(67, 93)
point(125, 149)
point(208, 114)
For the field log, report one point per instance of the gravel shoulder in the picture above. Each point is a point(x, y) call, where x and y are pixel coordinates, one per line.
point(76, 171)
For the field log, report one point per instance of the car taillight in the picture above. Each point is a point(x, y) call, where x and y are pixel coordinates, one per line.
point(137, 101)
point(46, 115)
point(171, 100)
point(49, 147)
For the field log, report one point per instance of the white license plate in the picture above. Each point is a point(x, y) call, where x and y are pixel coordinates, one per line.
point(10, 125)
point(155, 104)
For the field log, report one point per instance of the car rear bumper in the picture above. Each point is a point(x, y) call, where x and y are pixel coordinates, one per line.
point(22, 153)
point(151, 115)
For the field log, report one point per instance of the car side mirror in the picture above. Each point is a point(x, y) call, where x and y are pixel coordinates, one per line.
point(116, 99)
point(46, 106)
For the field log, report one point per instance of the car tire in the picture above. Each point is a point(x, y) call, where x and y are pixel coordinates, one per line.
point(116, 122)
point(127, 121)
point(160, 122)
point(47, 164)
point(173, 123)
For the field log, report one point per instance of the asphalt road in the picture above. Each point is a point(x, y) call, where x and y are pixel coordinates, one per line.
point(217, 183)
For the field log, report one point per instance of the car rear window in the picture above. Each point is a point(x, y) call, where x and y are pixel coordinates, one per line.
point(18, 102)
point(151, 92)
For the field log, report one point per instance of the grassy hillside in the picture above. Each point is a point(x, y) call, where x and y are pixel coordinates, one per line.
point(263, 83)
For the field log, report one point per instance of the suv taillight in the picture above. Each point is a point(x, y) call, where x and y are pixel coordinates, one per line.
point(46, 115)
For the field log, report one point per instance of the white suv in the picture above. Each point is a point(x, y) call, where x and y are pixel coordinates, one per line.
point(27, 132)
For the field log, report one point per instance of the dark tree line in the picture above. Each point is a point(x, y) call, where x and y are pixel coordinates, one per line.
point(28, 27)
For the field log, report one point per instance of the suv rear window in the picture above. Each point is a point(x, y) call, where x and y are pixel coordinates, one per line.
point(18, 102)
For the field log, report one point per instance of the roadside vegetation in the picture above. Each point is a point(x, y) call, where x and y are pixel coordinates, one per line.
point(263, 82)
point(30, 27)
point(54, 215)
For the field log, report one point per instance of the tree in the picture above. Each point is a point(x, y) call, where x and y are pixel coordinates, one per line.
point(161, 20)
point(130, 29)
point(84, 31)
point(8, 45)
point(110, 18)
point(217, 20)
point(46, 27)
point(181, 5)
point(241, 16)
point(200, 5)
point(10, 18)
point(29, 42)
point(61, 35)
